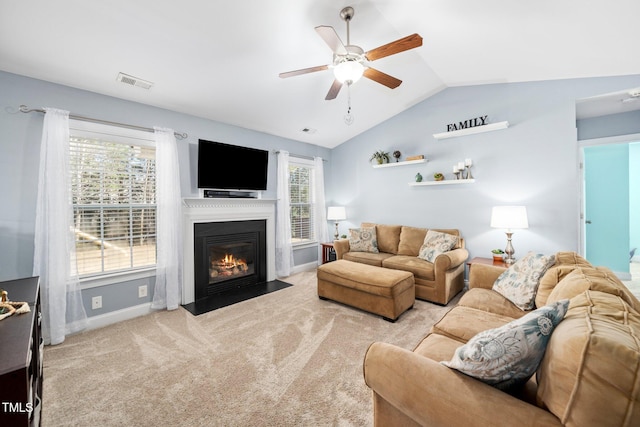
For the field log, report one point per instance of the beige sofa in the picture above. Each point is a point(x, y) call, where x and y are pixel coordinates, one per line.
point(399, 246)
point(589, 375)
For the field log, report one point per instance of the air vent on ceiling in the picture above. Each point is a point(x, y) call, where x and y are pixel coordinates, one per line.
point(308, 130)
point(134, 81)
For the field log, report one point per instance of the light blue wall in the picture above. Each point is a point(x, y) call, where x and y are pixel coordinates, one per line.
point(19, 155)
point(534, 163)
point(610, 125)
point(634, 197)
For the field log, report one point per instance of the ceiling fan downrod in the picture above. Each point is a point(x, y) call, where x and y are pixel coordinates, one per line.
point(347, 14)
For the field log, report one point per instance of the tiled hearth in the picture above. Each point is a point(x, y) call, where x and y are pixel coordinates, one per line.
point(203, 210)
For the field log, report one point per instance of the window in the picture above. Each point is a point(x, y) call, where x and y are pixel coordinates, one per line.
point(301, 176)
point(113, 190)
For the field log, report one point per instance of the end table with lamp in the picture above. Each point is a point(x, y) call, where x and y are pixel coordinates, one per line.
point(336, 213)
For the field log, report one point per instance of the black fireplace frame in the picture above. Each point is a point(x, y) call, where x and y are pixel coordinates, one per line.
point(222, 232)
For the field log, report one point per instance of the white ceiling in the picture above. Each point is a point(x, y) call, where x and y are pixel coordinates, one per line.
point(221, 59)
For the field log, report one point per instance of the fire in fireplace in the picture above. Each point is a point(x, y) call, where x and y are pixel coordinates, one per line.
point(228, 255)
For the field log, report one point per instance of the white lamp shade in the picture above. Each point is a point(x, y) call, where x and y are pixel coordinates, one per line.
point(336, 213)
point(509, 217)
point(348, 71)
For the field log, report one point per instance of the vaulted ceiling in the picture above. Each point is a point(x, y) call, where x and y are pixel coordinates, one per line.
point(221, 59)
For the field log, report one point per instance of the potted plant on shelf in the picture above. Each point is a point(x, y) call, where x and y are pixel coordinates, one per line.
point(498, 254)
point(438, 176)
point(380, 157)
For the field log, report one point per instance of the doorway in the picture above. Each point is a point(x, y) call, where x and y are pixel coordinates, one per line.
point(611, 202)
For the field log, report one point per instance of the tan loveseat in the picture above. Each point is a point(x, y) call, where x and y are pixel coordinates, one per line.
point(589, 376)
point(399, 246)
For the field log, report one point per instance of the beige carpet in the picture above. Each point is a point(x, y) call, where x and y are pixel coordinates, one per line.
point(282, 359)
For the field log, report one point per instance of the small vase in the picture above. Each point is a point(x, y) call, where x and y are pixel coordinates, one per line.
point(498, 257)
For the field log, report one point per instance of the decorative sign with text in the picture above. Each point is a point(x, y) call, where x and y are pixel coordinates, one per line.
point(470, 123)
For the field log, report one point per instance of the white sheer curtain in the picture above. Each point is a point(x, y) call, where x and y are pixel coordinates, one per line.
point(321, 228)
point(168, 288)
point(54, 240)
point(284, 250)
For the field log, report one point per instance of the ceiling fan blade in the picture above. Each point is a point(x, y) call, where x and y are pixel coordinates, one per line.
point(333, 91)
point(303, 71)
point(406, 43)
point(382, 78)
point(331, 38)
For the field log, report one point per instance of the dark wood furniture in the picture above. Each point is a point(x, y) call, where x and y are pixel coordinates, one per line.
point(21, 351)
point(487, 261)
point(328, 252)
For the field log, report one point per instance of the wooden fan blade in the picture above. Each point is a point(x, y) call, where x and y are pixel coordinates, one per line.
point(331, 38)
point(406, 43)
point(303, 71)
point(382, 78)
point(333, 91)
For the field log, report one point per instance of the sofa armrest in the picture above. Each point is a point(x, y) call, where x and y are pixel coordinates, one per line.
point(483, 275)
point(449, 260)
point(341, 247)
point(434, 395)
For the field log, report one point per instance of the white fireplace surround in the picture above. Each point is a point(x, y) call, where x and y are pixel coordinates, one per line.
point(203, 210)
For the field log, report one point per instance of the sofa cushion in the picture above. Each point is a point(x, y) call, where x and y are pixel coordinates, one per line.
point(595, 279)
point(490, 301)
point(367, 257)
point(388, 236)
point(463, 323)
point(507, 356)
point(420, 268)
point(411, 240)
point(566, 262)
point(590, 374)
point(363, 240)
point(436, 243)
point(437, 347)
point(519, 282)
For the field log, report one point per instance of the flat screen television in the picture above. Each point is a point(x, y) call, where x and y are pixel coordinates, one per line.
point(231, 167)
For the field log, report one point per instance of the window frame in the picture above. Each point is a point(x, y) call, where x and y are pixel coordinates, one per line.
point(309, 164)
point(122, 135)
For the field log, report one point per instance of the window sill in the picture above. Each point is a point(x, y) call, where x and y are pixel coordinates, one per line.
point(305, 245)
point(112, 278)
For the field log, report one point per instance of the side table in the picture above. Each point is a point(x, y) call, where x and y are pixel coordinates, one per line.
point(487, 261)
point(328, 252)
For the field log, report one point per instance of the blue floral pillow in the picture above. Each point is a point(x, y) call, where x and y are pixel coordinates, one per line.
point(436, 243)
point(519, 283)
point(507, 356)
point(363, 240)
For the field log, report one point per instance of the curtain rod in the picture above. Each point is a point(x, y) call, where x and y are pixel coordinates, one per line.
point(25, 109)
point(299, 156)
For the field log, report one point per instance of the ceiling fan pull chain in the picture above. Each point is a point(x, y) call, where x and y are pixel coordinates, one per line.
point(348, 118)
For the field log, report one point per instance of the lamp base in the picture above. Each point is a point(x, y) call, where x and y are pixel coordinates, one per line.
point(509, 251)
point(336, 235)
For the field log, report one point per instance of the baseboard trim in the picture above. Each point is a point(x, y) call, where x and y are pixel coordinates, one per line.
point(102, 320)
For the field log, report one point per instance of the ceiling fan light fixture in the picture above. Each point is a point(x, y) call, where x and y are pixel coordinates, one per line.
point(348, 71)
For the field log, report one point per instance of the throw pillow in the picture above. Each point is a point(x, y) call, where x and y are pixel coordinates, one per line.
point(507, 356)
point(436, 243)
point(519, 282)
point(363, 240)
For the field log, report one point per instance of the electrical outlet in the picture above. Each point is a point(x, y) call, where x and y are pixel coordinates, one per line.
point(96, 302)
point(142, 291)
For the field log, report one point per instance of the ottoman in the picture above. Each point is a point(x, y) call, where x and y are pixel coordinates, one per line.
point(382, 291)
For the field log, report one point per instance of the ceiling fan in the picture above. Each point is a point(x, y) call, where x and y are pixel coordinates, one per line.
point(350, 62)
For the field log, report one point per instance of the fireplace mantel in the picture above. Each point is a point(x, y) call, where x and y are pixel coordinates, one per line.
point(203, 210)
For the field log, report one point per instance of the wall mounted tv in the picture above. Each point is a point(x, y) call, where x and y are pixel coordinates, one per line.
point(231, 167)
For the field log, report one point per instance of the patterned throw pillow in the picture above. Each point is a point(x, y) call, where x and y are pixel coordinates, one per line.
point(519, 283)
point(507, 356)
point(363, 240)
point(436, 243)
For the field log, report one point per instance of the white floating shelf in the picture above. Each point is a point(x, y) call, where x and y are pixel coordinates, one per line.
point(407, 162)
point(470, 131)
point(445, 182)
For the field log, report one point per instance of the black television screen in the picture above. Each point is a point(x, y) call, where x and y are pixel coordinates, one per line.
point(231, 167)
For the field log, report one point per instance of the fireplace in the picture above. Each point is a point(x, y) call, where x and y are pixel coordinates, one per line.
point(205, 212)
point(228, 255)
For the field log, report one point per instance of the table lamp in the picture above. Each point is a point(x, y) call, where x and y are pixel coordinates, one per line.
point(336, 213)
point(509, 218)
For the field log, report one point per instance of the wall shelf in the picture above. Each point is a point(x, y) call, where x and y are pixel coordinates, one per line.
point(445, 182)
point(470, 131)
point(407, 162)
